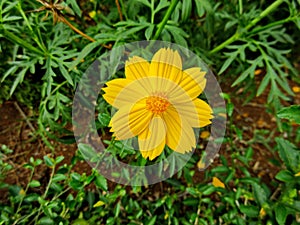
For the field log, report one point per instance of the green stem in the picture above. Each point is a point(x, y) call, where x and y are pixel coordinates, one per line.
point(152, 12)
point(25, 192)
point(162, 24)
point(237, 35)
point(241, 7)
point(15, 39)
point(46, 192)
point(34, 36)
point(276, 23)
point(266, 12)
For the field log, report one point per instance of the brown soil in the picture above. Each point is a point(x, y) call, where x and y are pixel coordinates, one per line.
point(18, 135)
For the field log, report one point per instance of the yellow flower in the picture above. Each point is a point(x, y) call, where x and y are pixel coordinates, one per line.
point(217, 183)
point(158, 102)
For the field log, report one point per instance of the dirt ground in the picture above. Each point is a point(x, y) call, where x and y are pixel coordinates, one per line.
point(17, 134)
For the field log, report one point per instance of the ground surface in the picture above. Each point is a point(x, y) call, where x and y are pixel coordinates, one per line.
point(17, 134)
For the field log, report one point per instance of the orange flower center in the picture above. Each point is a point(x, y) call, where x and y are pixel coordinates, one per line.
point(157, 104)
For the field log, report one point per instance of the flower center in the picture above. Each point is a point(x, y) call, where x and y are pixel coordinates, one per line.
point(157, 104)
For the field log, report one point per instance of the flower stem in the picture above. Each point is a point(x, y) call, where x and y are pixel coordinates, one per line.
point(237, 35)
point(164, 21)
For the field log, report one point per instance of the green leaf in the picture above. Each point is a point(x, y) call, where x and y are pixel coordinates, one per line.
point(250, 210)
point(191, 201)
point(227, 63)
point(203, 6)
point(56, 187)
point(85, 51)
point(280, 214)
point(149, 32)
point(34, 183)
point(178, 34)
point(31, 198)
point(288, 154)
point(75, 7)
point(145, 2)
point(58, 177)
point(186, 9)
point(264, 83)
point(87, 151)
point(162, 4)
point(152, 221)
point(65, 74)
point(209, 190)
point(46, 221)
point(285, 176)
point(259, 194)
point(59, 159)
point(291, 113)
point(48, 161)
point(101, 182)
point(18, 80)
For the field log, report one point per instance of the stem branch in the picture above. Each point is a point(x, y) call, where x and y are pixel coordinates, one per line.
point(162, 24)
point(237, 35)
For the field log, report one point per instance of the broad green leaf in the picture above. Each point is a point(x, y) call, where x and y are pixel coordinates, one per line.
point(291, 113)
point(280, 214)
point(191, 201)
point(31, 197)
point(104, 119)
point(289, 154)
point(59, 177)
point(48, 161)
point(46, 220)
point(59, 159)
point(34, 183)
point(152, 220)
point(186, 9)
point(259, 194)
point(285, 176)
point(101, 182)
point(87, 151)
point(250, 210)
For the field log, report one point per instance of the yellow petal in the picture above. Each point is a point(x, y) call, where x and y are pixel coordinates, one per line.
point(166, 63)
point(130, 121)
point(297, 174)
point(22, 192)
point(193, 81)
point(136, 68)
point(204, 134)
point(139, 117)
point(201, 164)
point(217, 183)
point(98, 204)
point(296, 89)
point(180, 135)
point(262, 213)
point(152, 140)
point(120, 92)
point(197, 112)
